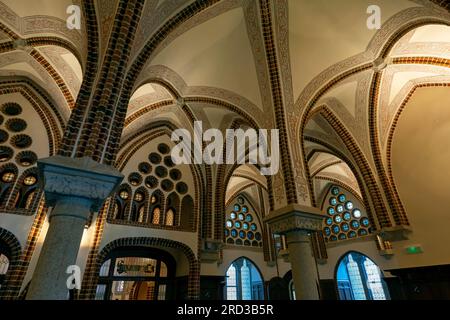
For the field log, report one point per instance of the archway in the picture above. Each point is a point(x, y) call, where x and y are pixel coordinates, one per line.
point(243, 281)
point(137, 274)
point(359, 278)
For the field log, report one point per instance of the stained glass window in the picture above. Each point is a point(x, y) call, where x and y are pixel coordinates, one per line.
point(358, 278)
point(243, 281)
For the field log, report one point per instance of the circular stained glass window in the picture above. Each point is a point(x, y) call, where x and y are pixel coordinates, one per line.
point(161, 171)
point(12, 109)
point(240, 200)
point(345, 227)
point(3, 136)
point(21, 141)
point(327, 231)
point(342, 198)
point(168, 162)
point(365, 222)
point(151, 182)
point(233, 215)
point(352, 234)
point(335, 229)
point(227, 233)
point(331, 211)
point(253, 227)
point(329, 221)
point(16, 125)
point(354, 224)
point(26, 158)
point(30, 180)
point(335, 191)
point(357, 213)
point(182, 187)
point(124, 194)
point(237, 207)
point(8, 177)
point(347, 216)
point(244, 209)
point(241, 216)
point(167, 185)
point(362, 232)
point(333, 201)
point(145, 167)
point(258, 236)
point(249, 218)
point(250, 235)
point(163, 148)
point(333, 238)
point(6, 153)
point(242, 234)
point(175, 174)
point(349, 205)
point(138, 197)
point(340, 208)
point(245, 226)
point(135, 179)
point(338, 219)
point(229, 224)
point(237, 225)
point(234, 233)
point(342, 236)
point(154, 158)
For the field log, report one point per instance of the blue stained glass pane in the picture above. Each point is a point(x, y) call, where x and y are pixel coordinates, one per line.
point(342, 198)
point(335, 191)
point(229, 224)
point(340, 208)
point(355, 224)
point(237, 207)
point(333, 201)
point(362, 232)
point(331, 211)
point(345, 227)
point(258, 236)
point(347, 216)
point(244, 209)
point(349, 205)
point(365, 222)
point(333, 238)
point(253, 227)
point(357, 213)
point(240, 216)
point(234, 233)
point(250, 235)
point(327, 231)
point(227, 233)
point(352, 234)
point(336, 229)
point(233, 215)
point(337, 219)
point(237, 224)
point(245, 226)
point(342, 236)
point(242, 234)
point(329, 221)
point(249, 218)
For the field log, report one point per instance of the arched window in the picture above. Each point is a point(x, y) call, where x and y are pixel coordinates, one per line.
point(156, 215)
point(344, 219)
point(241, 225)
point(169, 218)
point(27, 191)
point(4, 262)
point(243, 281)
point(359, 278)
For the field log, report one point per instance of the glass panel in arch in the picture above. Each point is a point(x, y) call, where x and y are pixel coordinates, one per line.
point(135, 267)
point(163, 270)
point(4, 264)
point(105, 268)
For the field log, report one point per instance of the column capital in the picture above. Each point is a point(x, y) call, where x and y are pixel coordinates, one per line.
point(78, 178)
point(294, 218)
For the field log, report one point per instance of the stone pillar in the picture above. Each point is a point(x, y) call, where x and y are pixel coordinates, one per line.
point(73, 188)
point(296, 223)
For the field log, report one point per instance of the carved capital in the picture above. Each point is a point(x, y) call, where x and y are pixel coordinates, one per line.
point(293, 218)
point(77, 178)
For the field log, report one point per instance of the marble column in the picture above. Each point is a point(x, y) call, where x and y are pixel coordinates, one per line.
point(296, 223)
point(74, 188)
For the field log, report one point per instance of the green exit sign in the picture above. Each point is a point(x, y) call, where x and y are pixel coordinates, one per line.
point(414, 249)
